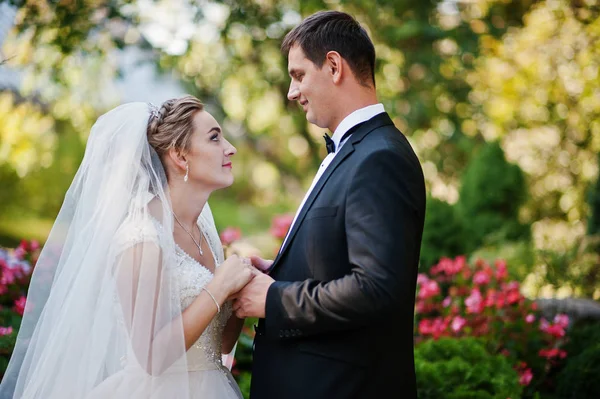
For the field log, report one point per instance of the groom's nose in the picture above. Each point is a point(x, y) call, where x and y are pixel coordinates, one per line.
point(293, 92)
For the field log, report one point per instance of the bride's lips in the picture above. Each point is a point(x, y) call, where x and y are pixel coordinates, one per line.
point(304, 105)
point(227, 165)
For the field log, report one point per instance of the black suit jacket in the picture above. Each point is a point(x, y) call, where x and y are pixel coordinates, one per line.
point(339, 318)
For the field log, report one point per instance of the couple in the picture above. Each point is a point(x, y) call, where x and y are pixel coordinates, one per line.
point(132, 298)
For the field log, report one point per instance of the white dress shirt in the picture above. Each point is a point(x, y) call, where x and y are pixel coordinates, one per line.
point(356, 117)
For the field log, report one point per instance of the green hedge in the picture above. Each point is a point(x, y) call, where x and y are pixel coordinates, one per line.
point(443, 234)
point(491, 194)
point(453, 368)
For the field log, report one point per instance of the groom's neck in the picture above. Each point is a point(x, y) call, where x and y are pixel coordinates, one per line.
point(352, 98)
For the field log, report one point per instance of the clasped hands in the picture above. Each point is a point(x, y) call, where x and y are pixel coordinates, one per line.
point(251, 300)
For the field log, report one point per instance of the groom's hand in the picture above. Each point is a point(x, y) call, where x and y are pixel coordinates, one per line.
point(251, 300)
point(261, 264)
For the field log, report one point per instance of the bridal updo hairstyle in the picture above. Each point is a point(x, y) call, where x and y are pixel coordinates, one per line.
point(174, 125)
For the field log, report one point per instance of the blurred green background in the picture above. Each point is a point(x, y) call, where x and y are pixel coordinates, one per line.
point(500, 99)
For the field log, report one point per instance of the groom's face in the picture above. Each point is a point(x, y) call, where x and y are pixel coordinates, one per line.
point(310, 86)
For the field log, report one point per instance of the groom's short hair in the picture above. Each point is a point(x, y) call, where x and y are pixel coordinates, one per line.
point(327, 31)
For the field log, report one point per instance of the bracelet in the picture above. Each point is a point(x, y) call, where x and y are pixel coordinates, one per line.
point(213, 298)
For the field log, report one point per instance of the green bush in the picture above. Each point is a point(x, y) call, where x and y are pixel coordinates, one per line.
point(583, 335)
point(520, 257)
point(462, 368)
point(491, 194)
point(579, 376)
point(442, 234)
point(579, 379)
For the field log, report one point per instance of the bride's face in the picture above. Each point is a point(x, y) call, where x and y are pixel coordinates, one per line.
point(209, 157)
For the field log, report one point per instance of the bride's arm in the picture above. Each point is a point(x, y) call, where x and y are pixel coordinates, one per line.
point(159, 332)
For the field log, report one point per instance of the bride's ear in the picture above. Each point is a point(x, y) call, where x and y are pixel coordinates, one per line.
point(178, 158)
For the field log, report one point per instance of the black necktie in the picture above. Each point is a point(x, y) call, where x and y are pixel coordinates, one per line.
point(329, 144)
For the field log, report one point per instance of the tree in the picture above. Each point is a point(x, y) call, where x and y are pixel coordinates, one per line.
point(491, 194)
point(537, 92)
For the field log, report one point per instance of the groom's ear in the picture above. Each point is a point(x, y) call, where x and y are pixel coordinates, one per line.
point(335, 66)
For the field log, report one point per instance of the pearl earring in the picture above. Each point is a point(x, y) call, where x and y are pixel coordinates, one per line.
point(187, 170)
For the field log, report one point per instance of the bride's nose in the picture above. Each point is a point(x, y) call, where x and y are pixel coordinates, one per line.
point(230, 150)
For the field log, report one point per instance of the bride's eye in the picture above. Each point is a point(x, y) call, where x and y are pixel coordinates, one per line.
point(215, 137)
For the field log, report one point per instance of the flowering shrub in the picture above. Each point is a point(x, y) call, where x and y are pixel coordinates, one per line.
point(230, 235)
point(458, 300)
point(16, 266)
point(280, 225)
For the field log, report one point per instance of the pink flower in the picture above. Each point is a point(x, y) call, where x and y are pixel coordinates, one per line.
point(525, 377)
point(230, 234)
point(490, 298)
point(513, 293)
point(474, 302)
point(501, 270)
point(429, 289)
point(19, 252)
point(6, 331)
point(530, 318)
point(436, 327)
point(481, 278)
point(34, 245)
point(448, 266)
point(420, 307)
point(8, 276)
point(425, 327)
point(19, 306)
point(553, 353)
point(562, 320)
point(458, 323)
point(281, 225)
point(556, 330)
point(447, 302)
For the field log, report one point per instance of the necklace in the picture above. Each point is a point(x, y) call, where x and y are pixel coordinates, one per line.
point(191, 236)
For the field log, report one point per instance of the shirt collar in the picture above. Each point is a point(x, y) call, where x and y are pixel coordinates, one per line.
point(356, 117)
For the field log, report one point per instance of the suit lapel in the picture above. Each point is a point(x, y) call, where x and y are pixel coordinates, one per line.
point(339, 158)
point(361, 131)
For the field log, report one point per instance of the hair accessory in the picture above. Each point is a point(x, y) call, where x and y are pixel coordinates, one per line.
point(154, 110)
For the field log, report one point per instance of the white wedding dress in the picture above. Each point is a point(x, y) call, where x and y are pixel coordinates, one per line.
point(207, 376)
point(104, 314)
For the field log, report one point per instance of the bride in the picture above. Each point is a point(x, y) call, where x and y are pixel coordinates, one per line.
point(130, 295)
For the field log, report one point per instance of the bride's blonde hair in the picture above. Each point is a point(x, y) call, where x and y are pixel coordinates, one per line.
point(172, 126)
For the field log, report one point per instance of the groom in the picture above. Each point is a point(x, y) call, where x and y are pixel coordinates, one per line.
point(336, 307)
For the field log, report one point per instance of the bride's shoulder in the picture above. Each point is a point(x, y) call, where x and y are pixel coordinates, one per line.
point(132, 232)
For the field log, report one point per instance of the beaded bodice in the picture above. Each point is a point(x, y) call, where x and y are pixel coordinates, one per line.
point(191, 276)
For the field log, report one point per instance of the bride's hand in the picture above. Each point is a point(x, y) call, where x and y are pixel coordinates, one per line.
point(233, 274)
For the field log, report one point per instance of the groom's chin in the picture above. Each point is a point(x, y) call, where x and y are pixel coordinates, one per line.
point(312, 120)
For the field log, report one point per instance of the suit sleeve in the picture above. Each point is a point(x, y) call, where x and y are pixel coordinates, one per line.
point(384, 222)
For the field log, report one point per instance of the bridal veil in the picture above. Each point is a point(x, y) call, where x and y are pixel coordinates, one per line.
point(97, 302)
